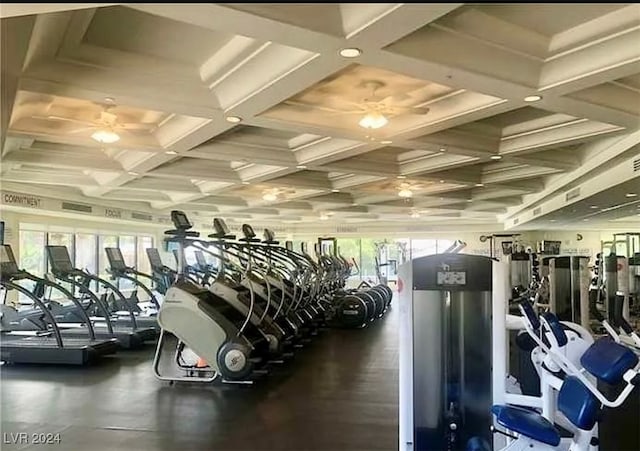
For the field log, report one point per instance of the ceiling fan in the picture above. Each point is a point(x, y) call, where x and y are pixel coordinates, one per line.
point(106, 126)
point(376, 109)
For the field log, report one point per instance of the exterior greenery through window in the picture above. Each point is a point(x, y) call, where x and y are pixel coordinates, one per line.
point(86, 251)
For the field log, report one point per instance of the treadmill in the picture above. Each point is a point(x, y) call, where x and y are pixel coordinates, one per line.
point(119, 270)
point(43, 347)
point(127, 330)
point(163, 274)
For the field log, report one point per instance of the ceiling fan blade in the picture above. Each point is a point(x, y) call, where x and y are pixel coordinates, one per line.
point(134, 126)
point(81, 130)
point(419, 110)
point(399, 97)
point(64, 119)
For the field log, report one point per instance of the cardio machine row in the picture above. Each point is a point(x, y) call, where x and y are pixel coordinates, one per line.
point(73, 317)
point(253, 308)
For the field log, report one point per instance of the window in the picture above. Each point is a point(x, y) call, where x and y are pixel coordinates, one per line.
point(32, 256)
point(103, 263)
point(128, 249)
point(444, 245)
point(143, 265)
point(368, 260)
point(350, 249)
point(86, 252)
point(420, 248)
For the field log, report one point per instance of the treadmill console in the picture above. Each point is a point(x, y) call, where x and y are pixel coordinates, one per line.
point(116, 260)
point(180, 220)
point(8, 265)
point(154, 259)
point(59, 259)
point(248, 232)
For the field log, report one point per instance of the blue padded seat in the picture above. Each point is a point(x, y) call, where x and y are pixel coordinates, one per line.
point(608, 360)
point(527, 423)
point(578, 404)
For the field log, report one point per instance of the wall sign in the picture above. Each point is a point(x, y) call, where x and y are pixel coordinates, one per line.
point(22, 200)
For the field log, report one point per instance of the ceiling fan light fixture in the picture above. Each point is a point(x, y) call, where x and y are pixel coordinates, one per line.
point(373, 121)
point(105, 136)
point(406, 193)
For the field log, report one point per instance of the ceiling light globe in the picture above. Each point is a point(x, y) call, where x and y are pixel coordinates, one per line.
point(105, 136)
point(373, 121)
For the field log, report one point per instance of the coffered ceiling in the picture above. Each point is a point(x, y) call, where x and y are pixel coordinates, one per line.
point(460, 142)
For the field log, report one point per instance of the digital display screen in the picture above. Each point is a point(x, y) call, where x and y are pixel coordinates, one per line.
point(154, 257)
point(451, 278)
point(180, 220)
point(4, 256)
point(59, 258)
point(8, 264)
point(116, 260)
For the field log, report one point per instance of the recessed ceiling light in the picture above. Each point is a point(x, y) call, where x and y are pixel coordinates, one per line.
point(479, 185)
point(401, 177)
point(533, 98)
point(552, 220)
point(469, 200)
point(496, 157)
point(350, 52)
point(246, 183)
point(354, 204)
point(442, 149)
point(171, 152)
point(335, 190)
point(593, 207)
point(441, 181)
point(233, 119)
point(301, 166)
point(270, 197)
point(585, 220)
point(630, 195)
point(132, 173)
point(386, 141)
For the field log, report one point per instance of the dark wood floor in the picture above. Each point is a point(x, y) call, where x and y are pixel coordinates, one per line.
point(341, 393)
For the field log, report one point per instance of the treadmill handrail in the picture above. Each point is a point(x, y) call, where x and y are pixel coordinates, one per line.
point(56, 331)
point(68, 295)
point(113, 288)
point(98, 301)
